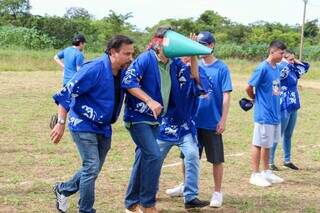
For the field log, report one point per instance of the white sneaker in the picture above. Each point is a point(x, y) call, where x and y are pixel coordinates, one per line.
point(272, 178)
point(216, 199)
point(258, 180)
point(176, 191)
point(61, 200)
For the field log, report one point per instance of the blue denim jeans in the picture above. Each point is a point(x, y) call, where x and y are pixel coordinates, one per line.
point(189, 147)
point(288, 122)
point(144, 180)
point(93, 149)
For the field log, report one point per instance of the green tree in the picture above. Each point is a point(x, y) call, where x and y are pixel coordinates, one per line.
point(14, 8)
point(77, 13)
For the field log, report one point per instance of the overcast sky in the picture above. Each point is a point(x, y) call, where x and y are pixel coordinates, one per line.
point(146, 13)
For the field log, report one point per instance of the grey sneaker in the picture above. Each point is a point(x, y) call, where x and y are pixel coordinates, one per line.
point(61, 200)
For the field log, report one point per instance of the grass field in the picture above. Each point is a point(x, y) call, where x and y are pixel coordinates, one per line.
point(30, 164)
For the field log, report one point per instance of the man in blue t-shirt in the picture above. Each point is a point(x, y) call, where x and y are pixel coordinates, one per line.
point(93, 98)
point(71, 58)
point(212, 112)
point(264, 88)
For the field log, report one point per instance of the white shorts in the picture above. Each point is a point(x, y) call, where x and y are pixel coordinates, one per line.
point(264, 135)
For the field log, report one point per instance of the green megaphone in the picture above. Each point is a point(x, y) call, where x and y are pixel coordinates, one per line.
point(177, 45)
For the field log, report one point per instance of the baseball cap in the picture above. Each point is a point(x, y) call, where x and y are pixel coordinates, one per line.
point(206, 38)
point(245, 104)
point(79, 38)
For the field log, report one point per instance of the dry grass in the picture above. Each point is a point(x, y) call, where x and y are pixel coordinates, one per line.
point(30, 164)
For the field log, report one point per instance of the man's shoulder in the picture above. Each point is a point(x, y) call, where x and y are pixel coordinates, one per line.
point(146, 54)
point(94, 63)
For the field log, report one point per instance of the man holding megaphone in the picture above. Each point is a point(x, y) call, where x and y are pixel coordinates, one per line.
point(149, 82)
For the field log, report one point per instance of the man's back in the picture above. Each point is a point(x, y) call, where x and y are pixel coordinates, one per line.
point(72, 58)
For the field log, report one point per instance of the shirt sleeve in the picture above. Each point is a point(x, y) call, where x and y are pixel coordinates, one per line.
point(134, 73)
point(60, 54)
point(256, 77)
point(79, 59)
point(300, 69)
point(226, 80)
point(81, 82)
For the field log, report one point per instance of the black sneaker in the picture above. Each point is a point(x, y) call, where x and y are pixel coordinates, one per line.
point(196, 203)
point(273, 167)
point(61, 200)
point(291, 166)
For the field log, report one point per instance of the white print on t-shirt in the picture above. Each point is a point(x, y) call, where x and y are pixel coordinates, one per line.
point(276, 87)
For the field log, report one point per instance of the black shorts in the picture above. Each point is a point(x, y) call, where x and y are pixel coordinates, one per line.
point(213, 145)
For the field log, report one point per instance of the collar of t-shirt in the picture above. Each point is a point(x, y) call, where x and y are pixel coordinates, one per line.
point(210, 64)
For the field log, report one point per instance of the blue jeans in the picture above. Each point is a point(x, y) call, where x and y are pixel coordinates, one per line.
point(288, 122)
point(189, 147)
point(144, 180)
point(93, 149)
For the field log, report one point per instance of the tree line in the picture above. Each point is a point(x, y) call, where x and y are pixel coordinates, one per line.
point(19, 28)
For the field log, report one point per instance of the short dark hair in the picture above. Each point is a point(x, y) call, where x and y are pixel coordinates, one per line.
point(116, 41)
point(290, 51)
point(277, 44)
point(161, 31)
point(77, 39)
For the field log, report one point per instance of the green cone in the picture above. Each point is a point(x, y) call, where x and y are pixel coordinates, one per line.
point(177, 45)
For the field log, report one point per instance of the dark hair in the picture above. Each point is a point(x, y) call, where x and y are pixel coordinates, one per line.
point(277, 44)
point(289, 51)
point(161, 31)
point(77, 39)
point(116, 43)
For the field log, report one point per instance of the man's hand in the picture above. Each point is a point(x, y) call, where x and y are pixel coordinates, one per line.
point(57, 133)
point(155, 107)
point(221, 126)
point(193, 36)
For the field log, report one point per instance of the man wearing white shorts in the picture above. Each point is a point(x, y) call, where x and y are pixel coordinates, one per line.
point(264, 135)
point(264, 89)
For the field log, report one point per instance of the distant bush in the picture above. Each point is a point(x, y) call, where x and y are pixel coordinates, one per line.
point(312, 53)
point(260, 51)
point(245, 51)
point(11, 36)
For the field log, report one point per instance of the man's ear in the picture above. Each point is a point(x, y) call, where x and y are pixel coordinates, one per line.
point(112, 51)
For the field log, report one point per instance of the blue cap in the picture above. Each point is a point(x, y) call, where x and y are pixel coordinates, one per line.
point(206, 38)
point(246, 104)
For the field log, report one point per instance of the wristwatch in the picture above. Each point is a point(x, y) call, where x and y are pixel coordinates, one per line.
point(61, 121)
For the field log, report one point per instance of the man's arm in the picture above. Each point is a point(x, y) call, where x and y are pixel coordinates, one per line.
point(152, 104)
point(195, 69)
point(250, 92)
point(225, 110)
point(58, 61)
point(58, 130)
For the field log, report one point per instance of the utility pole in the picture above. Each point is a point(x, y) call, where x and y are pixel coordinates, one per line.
point(302, 29)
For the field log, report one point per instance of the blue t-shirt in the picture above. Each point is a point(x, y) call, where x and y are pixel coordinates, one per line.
point(209, 110)
point(72, 58)
point(266, 81)
point(289, 75)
